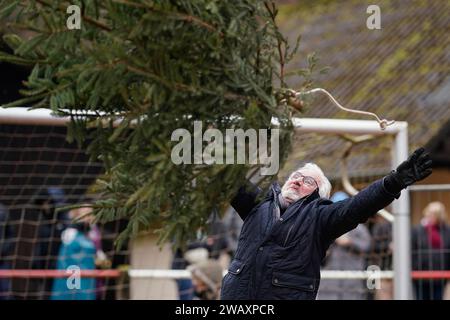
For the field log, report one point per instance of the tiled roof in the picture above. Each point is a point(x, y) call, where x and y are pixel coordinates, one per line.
point(400, 72)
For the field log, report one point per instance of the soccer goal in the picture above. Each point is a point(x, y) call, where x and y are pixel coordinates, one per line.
point(401, 266)
point(395, 228)
point(35, 156)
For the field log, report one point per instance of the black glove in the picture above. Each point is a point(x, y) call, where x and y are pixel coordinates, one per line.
point(416, 168)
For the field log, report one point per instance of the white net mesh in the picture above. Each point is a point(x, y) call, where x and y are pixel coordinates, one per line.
point(39, 172)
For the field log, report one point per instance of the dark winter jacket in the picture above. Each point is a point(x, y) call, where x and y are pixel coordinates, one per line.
point(278, 257)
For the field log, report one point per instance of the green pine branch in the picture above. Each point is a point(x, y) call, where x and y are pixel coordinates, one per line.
point(157, 65)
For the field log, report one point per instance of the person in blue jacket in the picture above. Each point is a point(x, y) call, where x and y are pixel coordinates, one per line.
point(286, 235)
point(77, 253)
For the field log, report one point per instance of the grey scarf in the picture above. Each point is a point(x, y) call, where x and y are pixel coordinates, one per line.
point(283, 203)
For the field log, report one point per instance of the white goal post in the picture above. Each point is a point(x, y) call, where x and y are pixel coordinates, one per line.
point(401, 207)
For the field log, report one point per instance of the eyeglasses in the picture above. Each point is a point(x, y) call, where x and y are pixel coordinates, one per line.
point(309, 181)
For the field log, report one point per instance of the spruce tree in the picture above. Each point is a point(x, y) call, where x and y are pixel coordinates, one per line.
point(137, 70)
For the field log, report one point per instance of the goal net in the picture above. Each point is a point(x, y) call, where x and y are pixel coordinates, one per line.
point(40, 172)
point(44, 255)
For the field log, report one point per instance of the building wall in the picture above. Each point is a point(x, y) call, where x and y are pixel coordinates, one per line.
point(146, 254)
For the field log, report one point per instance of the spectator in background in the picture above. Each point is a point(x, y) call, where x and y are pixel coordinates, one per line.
point(347, 253)
point(77, 250)
point(6, 251)
point(184, 286)
point(101, 260)
point(431, 250)
point(207, 279)
point(50, 225)
point(233, 225)
point(381, 255)
point(214, 240)
point(216, 237)
point(115, 288)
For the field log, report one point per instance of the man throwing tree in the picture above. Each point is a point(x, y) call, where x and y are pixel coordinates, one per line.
point(285, 236)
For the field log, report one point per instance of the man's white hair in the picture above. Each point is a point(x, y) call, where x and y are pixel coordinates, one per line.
point(324, 183)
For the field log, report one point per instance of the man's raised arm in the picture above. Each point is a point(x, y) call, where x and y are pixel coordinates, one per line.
point(341, 217)
point(245, 200)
